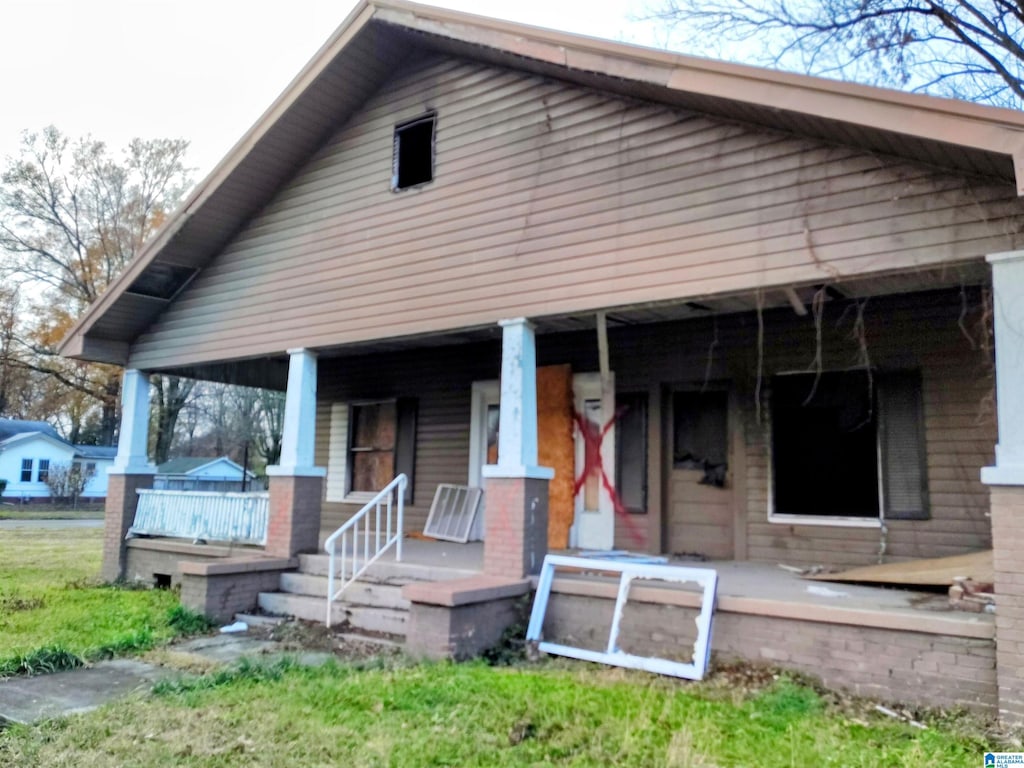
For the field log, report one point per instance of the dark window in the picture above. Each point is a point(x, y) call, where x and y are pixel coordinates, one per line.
point(382, 444)
point(26, 470)
point(44, 470)
point(830, 439)
point(631, 451)
point(413, 161)
point(700, 434)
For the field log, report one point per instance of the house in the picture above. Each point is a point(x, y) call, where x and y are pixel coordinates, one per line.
point(199, 473)
point(31, 450)
point(646, 301)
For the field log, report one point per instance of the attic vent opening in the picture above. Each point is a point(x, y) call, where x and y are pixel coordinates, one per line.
point(413, 160)
point(162, 281)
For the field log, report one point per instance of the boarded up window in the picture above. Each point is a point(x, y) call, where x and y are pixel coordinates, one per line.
point(631, 451)
point(369, 445)
point(372, 447)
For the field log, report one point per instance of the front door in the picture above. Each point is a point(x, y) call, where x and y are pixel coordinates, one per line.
point(700, 493)
point(594, 526)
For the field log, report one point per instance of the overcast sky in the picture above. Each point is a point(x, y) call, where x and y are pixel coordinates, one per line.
point(203, 70)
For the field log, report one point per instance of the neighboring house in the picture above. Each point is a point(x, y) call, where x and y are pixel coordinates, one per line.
point(28, 451)
point(764, 307)
point(197, 473)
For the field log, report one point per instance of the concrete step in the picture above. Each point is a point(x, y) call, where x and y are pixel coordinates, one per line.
point(363, 593)
point(385, 620)
point(388, 570)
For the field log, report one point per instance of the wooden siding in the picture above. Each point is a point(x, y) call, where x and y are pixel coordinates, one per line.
point(925, 331)
point(551, 198)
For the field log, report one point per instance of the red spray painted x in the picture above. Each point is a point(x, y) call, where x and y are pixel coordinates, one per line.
point(592, 461)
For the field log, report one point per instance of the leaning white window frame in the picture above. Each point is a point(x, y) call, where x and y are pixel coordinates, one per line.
point(706, 578)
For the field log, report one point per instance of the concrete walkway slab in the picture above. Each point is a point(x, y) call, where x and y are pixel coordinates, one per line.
point(30, 699)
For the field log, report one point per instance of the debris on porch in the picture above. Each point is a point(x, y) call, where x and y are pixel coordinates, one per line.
point(930, 572)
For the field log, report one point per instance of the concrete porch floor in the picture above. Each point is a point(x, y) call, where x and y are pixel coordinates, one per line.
point(754, 588)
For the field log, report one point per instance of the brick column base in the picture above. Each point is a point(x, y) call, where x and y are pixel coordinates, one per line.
point(119, 515)
point(294, 524)
point(516, 525)
point(1008, 543)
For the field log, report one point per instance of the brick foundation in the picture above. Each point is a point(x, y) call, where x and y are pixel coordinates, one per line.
point(1008, 561)
point(220, 589)
point(516, 515)
point(294, 522)
point(122, 500)
point(461, 618)
point(893, 665)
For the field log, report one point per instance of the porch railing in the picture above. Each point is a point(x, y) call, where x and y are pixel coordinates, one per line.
point(207, 515)
point(360, 539)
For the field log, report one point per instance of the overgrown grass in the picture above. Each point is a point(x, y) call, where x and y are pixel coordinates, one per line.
point(54, 614)
point(475, 715)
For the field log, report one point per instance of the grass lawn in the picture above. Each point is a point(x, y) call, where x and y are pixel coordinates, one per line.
point(472, 715)
point(54, 613)
point(47, 511)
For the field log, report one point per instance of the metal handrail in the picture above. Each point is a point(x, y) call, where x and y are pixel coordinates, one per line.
point(350, 554)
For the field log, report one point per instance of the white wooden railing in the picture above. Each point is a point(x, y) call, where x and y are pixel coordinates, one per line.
point(206, 515)
point(360, 540)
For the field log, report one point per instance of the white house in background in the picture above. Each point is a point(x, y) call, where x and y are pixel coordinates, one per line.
point(30, 449)
point(199, 473)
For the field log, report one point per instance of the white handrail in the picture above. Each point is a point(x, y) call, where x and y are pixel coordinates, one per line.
point(350, 554)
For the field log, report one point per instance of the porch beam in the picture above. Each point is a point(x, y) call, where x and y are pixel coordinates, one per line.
point(133, 438)
point(298, 439)
point(1008, 321)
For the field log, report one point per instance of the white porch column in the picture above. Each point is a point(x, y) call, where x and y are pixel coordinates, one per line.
point(1006, 481)
point(517, 436)
point(130, 472)
point(1008, 319)
point(298, 441)
point(133, 438)
point(516, 489)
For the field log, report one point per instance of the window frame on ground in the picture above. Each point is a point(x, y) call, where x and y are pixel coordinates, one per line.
point(896, 467)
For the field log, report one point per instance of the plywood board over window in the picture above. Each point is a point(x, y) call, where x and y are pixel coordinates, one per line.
point(556, 448)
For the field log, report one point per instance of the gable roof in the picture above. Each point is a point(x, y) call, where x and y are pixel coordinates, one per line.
point(11, 427)
point(187, 465)
point(26, 437)
point(380, 34)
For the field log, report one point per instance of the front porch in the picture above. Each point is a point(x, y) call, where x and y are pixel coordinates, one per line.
point(891, 644)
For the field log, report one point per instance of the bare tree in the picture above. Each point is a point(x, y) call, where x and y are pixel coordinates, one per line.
point(170, 395)
point(969, 50)
point(71, 217)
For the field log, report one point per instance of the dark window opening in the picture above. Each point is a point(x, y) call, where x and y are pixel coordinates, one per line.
point(700, 434)
point(825, 445)
point(631, 451)
point(162, 580)
point(413, 162)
